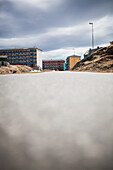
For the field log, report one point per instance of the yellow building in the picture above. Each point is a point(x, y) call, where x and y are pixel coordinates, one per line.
point(71, 61)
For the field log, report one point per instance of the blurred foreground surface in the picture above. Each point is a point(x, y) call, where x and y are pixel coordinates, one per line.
point(56, 121)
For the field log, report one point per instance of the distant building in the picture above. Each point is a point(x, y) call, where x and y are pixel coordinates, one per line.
point(58, 65)
point(90, 51)
point(71, 61)
point(3, 60)
point(111, 43)
point(24, 56)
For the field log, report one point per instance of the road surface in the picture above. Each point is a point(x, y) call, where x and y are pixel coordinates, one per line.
point(56, 121)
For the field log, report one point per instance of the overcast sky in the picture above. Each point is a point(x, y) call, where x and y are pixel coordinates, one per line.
point(58, 27)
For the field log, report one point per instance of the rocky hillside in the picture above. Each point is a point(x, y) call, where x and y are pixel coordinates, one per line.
point(103, 61)
point(11, 69)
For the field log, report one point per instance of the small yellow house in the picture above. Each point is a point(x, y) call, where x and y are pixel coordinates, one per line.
point(71, 61)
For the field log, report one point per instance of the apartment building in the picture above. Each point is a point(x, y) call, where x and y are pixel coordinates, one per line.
point(24, 56)
point(58, 65)
point(71, 61)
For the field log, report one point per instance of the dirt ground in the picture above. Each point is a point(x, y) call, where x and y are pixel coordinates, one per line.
point(12, 69)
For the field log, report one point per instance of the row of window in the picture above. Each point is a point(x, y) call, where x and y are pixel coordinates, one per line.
point(27, 51)
point(47, 63)
point(21, 62)
point(22, 55)
point(52, 61)
point(53, 64)
point(52, 67)
point(21, 58)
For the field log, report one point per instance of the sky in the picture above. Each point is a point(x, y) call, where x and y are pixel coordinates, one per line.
point(59, 27)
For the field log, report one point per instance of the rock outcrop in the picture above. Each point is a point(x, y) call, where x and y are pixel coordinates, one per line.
point(103, 61)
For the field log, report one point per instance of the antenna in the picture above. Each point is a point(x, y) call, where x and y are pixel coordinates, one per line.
point(74, 50)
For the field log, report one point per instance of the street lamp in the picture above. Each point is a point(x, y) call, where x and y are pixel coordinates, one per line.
point(92, 40)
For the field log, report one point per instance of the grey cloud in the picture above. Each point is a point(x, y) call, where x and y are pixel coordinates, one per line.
point(27, 20)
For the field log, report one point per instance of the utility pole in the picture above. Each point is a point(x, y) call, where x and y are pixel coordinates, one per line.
point(92, 40)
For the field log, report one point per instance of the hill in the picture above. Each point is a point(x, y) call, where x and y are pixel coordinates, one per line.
point(103, 61)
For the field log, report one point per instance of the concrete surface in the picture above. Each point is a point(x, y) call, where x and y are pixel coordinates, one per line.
point(56, 121)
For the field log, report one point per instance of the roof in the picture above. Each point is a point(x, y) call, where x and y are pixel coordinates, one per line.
point(20, 49)
point(74, 56)
point(54, 60)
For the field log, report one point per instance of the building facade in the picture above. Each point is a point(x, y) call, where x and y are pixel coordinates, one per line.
point(111, 43)
point(71, 61)
point(88, 52)
point(58, 65)
point(23, 56)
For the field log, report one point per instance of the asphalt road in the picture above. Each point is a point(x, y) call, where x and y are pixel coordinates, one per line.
point(56, 121)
